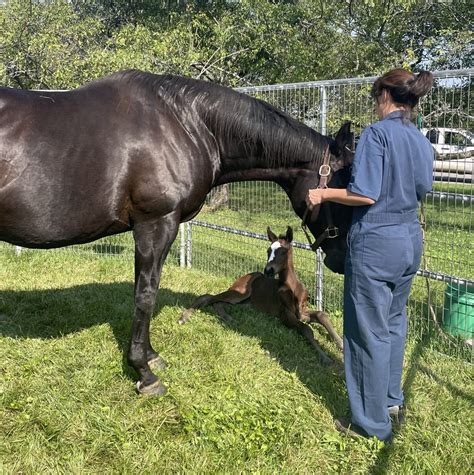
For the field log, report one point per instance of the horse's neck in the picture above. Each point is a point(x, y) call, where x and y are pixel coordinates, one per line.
point(257, 148)
point(288, 276)
point(251, 169)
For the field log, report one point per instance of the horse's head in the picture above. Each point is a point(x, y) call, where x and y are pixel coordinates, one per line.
point(340, 161)
point(335, 248)
point(279, 252)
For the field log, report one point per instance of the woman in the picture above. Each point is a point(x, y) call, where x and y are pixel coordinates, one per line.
point(391, 173)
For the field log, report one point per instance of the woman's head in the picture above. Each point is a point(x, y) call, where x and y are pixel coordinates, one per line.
point(401, 88)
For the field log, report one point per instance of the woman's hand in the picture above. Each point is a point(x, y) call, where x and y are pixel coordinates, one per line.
point(315, 197)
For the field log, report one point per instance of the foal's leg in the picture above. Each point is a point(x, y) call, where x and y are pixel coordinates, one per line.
point(238, 292)
point(289, 317)
point(153, 240)
point(323, 319)
point(307, 332)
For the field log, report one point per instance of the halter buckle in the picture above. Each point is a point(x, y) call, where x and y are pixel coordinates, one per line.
point(332, 232)
point(324, 170)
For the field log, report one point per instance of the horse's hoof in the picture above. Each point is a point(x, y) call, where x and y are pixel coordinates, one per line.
point(157, 363)
point(155, 389)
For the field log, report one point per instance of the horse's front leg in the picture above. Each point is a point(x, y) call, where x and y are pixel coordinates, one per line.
point(153, 240)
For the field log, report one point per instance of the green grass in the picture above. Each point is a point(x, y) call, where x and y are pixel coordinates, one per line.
point(250, 398)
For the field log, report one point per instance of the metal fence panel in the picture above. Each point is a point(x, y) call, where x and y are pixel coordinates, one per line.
point(447, 211)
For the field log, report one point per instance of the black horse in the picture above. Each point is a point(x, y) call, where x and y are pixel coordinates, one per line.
point(138, 151)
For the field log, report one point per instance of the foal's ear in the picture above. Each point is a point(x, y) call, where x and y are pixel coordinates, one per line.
point(271, 235)
point(289, 234)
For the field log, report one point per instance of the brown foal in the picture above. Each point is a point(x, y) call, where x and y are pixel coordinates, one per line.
point(285, 296)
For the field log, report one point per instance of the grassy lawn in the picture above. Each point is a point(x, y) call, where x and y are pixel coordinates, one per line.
point(246, 398)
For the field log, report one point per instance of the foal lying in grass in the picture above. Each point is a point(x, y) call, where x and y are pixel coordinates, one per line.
point(284, 297)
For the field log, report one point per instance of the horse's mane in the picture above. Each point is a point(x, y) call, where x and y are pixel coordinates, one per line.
point(261, 127)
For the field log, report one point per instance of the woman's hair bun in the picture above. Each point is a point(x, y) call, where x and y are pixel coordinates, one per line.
point(421, 84)
point(404, 86)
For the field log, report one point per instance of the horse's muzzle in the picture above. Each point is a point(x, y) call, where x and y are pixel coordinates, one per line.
point(269, 272)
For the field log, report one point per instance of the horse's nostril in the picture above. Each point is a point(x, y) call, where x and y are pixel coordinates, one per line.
point(268, 272)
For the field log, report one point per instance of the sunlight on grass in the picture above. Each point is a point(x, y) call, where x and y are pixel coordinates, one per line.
point(250, 397)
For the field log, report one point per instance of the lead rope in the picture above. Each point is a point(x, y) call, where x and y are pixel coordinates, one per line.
point(425, 262)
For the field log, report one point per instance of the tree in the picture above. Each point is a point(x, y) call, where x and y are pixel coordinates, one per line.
point(62, 44)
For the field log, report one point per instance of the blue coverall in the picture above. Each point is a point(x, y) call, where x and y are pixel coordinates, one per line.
point(393, 165)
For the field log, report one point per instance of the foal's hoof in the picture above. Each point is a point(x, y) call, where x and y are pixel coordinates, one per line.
point(185, 316)
point(154, 389)
point(157, 363)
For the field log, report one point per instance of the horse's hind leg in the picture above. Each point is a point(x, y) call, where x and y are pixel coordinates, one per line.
point(152, 242)
point(219, 307)
point(240, 291)
point(323, 319)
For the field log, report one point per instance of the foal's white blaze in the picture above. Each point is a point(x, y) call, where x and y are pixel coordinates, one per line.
point(274, 247)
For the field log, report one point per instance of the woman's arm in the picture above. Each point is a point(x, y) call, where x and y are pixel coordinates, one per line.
point(338, 195)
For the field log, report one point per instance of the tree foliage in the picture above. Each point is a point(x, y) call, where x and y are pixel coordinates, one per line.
point(62, 44)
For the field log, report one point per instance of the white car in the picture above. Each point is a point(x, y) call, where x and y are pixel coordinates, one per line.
point(450, 143)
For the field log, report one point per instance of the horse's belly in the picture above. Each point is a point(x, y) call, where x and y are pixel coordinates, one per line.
point(29, 221)
point(43, 235)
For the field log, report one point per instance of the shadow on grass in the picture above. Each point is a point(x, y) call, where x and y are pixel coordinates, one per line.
point(53, 313)
point(48, 314)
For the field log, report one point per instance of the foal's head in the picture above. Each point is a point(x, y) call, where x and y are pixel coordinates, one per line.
point(280, 253)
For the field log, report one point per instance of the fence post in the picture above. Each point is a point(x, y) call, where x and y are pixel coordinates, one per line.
point(182, 246)
point(323, 103)
point(319, 280)
point(189, 245)
point(319, 255)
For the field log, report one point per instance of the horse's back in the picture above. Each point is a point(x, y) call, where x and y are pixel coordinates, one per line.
point(76, 165)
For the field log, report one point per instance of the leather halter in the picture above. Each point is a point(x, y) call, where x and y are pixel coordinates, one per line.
point(331, 231)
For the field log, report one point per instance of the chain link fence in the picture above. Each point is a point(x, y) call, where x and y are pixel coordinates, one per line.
point(228, 237)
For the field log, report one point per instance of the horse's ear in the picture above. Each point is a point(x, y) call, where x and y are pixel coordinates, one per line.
point(289, 234)
point(343, 144)
point(271, 235)
point(344, 136)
